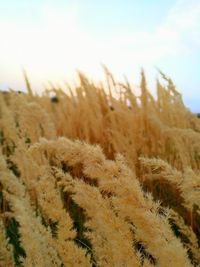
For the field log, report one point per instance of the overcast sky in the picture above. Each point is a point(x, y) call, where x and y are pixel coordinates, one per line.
point(53, 38)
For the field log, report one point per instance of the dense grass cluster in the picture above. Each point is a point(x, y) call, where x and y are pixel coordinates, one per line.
point(98, 176)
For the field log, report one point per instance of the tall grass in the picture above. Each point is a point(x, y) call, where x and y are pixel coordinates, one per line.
point(89, 177)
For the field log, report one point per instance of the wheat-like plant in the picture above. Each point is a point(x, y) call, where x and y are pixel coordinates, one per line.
point(99, 176)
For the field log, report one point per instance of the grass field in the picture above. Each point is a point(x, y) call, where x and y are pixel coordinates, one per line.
point(97, 176)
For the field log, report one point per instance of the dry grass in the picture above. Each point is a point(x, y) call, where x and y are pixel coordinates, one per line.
point(89, 179)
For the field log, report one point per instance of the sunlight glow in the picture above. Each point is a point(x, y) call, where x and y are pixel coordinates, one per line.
point(56, 43)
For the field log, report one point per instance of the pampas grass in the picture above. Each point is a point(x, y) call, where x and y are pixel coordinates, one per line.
point(93, 178)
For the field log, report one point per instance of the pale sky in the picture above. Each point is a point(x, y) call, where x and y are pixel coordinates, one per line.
point(52, 39)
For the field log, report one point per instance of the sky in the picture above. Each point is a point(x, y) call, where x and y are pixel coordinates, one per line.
point(53, 39)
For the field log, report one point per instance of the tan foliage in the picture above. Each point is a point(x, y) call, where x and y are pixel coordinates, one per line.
point(92, 178)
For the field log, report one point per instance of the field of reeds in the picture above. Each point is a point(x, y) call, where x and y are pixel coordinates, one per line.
point(99, 177)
